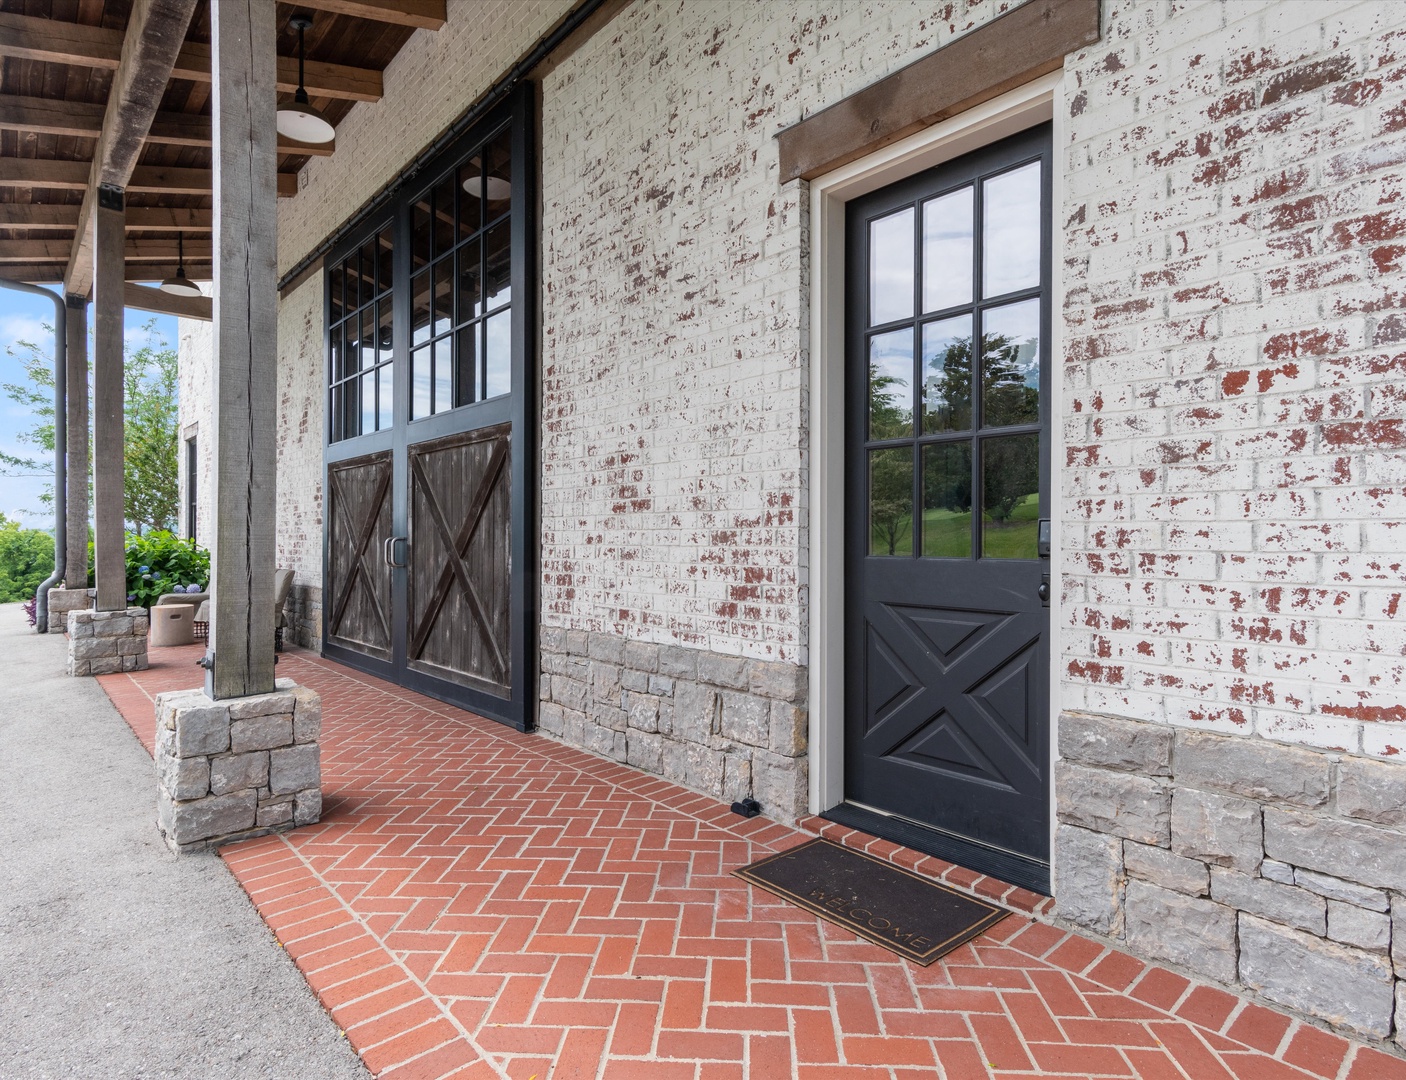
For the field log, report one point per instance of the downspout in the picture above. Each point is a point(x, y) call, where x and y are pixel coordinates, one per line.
point(41, 596)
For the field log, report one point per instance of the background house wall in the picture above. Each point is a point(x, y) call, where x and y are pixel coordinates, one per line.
point(1233, 443)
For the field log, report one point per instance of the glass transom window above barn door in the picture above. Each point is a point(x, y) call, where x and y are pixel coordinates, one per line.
point(955, 298)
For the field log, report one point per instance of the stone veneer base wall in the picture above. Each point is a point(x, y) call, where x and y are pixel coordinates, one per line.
point(303, 610)
point(1261, 865)
point(725, 726)
point(106, 642)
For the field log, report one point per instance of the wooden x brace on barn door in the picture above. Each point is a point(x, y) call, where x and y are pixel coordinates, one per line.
point(363, 532)
point(456, 547)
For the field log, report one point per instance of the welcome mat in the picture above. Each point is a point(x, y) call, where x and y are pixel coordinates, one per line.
point(913, 916)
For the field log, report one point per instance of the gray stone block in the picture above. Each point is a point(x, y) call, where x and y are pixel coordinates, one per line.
point(578, 642)
point(1221, 829)
point(737, 777)
point(607, 647)
point(1347, 987)
point(637, 681)
point(307, 715)
point(746, 719)
point(92, 648)
point(789, 729)
point(1359, 852)
point(1370, 930)
point(605, 741)
point(782, 785)
point(1120, 804)
point(211, 817)
point(78, 626)
point(307, 806)
point(278, 703)
point(725, 671)
point(201, 729)
point(1337, 889)
point(1161, 867)
point(237, 772)
point(79, 667)
point(1270, 899)
point(606, 716)
point(1088, 880)
point(641, 711)
point(1372, 790)
point(550, 720)
point(1252, 768)
point(605, 682)
point(661, 686)
point(677, 662)
point(552, 638)
point(1277, 871)
point(105, 665)
point(294, 769)
point(274, 814)
point(695, 713)
point(182, 778)
point(131, 646)
point(261, 732)
point(116, 626)
point(645, 750)
point(1165, 925)
point(778, 681)
point(1401, 1013)
point(570, 693)
point(1110, 742)
point(642, 656)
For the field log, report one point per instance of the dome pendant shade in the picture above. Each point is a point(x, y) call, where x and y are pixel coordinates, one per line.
point(297, 119)
point(180, 285)
point(496, 187)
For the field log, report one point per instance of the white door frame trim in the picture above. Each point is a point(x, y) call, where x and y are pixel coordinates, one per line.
point(986, 123)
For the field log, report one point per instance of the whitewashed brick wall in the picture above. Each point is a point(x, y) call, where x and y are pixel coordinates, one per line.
point(301, 367)
point(1235, 480)
point(194, 349)
point(674, 285)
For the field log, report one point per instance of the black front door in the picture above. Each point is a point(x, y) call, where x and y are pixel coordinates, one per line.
point(429, 575)
point(947, 710)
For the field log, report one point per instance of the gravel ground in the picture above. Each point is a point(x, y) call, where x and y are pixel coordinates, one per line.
point(117, 959)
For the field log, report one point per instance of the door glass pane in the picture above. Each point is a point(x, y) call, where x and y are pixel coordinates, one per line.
point(444, 215)
point(947, 375)
point(443, 295)
point(334, 293)
point(469, 295)
point(420, 376)
point(499, 274)
point(1010, 364)
point(385, 262)
point(351, 409)
point(334, 363)
point(891, 385)
point(444, 375)
point(891, 268)
point(466, 364)
point(420, 308)
point(947, 499)
point(420, 233)
point(335, 414)
point(498, 368)
point(470, 196)
point(369, 258)
point(351, 349)
point(385, 409)
point(1010, 231)
point(368, 338)
point(891, 501)
point(368, 402)
point(947, 250)
point(1010, 496)
point(385, 337)
point(498, 176)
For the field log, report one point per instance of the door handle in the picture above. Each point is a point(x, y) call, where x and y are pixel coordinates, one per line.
point(1043, 592)
point(388, 550)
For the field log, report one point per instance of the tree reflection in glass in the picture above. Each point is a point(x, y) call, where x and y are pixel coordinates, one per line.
point(891, 385)
point(1010, 365)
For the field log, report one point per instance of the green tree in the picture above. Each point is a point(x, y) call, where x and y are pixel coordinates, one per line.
point(150, 417)
point(890, 471)
point(26, 559)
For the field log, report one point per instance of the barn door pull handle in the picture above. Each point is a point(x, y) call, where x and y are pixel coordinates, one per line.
point(389, 551)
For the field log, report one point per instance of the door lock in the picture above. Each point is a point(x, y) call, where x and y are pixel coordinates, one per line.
point(1043, 592)
point(388, 550)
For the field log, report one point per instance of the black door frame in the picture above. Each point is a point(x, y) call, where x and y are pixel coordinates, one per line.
point(1006, 152)
point(518, 408)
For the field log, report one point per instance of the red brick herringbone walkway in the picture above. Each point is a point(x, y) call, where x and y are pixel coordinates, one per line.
point(482, 904)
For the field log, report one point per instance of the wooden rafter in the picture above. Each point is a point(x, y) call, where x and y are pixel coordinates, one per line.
point(139, 218)
point(45, 273)
point(153, 179)
point(421, 14)
point(137, 250)
point(26, 37)
point(184, 307)
point(50, 116)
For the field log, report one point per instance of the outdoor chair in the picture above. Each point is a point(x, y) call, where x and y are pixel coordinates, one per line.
point(282, 585)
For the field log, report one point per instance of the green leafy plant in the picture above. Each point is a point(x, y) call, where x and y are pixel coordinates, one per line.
point(161, 562)
point(26, 559)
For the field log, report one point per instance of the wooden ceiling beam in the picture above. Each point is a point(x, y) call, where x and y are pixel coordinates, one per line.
point(155, 31)
point(38, 216)
point(183, 307)
point(64, 218)
point(49, 273)
point(137, 250)
point(421, 14)
point(148, 179)
point(84, 120)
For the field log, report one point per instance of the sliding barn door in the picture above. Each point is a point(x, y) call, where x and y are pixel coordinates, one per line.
point(358, 580)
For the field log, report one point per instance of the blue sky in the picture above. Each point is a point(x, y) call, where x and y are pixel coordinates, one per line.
point(23, 318)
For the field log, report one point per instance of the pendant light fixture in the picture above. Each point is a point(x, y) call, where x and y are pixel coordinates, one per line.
point(297, 119)
point(494, 187)
point(180, 285)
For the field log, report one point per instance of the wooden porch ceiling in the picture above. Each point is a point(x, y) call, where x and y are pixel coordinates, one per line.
point(59, 60)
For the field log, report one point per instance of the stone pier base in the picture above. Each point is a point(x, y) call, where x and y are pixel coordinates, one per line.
point(62, 601)
point(105, 642)
point(228, 770)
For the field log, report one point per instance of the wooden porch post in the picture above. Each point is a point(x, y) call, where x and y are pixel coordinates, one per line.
point(109, 277)
point(76, 408)
point(242, 43)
